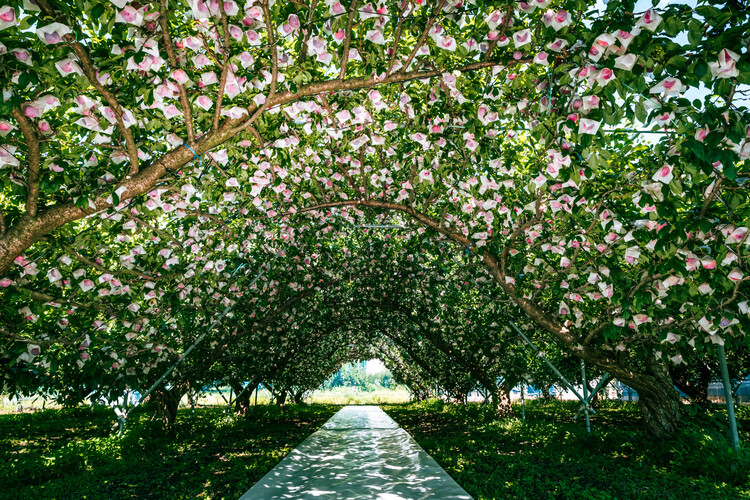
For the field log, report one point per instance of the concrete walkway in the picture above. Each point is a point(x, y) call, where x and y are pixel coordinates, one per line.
point(360, 453)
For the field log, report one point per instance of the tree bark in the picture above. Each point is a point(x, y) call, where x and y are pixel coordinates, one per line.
point(166, 403)
point(658, 399)
point(298, 396)
point(546, 392)
point(501, 404)
point(281, 398)
point(241, 402)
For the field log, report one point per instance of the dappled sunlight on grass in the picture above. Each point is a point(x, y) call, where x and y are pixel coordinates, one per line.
point(551, 456)
point(72, 454)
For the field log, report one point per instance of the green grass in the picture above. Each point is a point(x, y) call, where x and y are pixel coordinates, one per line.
point(354, 396)
point(72, 453)
point(550, 456)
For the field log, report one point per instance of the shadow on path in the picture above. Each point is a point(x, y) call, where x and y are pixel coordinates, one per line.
point(360, 453)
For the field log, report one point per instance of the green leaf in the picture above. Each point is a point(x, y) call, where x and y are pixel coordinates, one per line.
point(97, 11)
point(677, 62)
point(723, 87)
point(701, 68)
point(640, 112)
point(695, 33)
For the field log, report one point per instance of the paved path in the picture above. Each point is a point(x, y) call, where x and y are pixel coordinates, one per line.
point(360, 453)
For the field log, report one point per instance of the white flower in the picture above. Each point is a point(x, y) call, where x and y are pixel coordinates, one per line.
point(626, 62)
point(726, 67)
point(664, 174)
point(650, 20)
point(587, 126)
point(669, 86)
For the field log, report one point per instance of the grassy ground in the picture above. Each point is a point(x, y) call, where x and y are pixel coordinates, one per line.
point(212, 397)
point(72, 454)
point(549, 456)
point(353, 396)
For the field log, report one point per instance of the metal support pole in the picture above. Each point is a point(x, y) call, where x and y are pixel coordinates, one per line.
point(192, 407)
point(728, 397)
point(240, 394)
point(122, 417)
point(523, 405)
point(547, 362)
point(221, 394)
point(181, 358)
point(585, 396)
point(598, 387)
point(257, 389)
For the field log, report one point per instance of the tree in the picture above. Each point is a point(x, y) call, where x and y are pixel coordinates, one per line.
point(191, 140)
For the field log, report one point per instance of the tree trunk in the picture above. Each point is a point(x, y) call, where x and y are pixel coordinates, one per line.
point(166, 404)
point(501, 404)
point(547, 392)
point(659, 400)
point(241, 402)
point(297, 396)
point(281, 398)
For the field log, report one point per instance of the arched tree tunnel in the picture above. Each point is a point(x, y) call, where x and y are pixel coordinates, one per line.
point(308, 300)
point(246, 191)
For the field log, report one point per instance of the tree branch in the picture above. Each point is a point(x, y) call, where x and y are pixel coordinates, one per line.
point(348, 40)
point(306, 36)
point(88, 68)
point(103, 269)
point(224, 66)
point(169, 46)
point(32, 144)
point(423, 36)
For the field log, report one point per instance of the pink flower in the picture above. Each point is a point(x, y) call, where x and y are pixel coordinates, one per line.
point(180, 76)
point(736, 274)
point(557, 45)
point(632, 254)
point(495, 19)
point(204, 102)
point(650, 20)
point(52, 33)
point(22, 55)
point(668, 86)
point(626, 62)
point(7, 17)
point(726, 66)
point(67, 66)
point(448, 43)
point(336, 9)
point(605, 76)
point(587, 126)
point(129, 15)
point(32, 111)
point(664, 174)
point(708, 263)
point(521, 38)
point(375, 36)
point(6, 127)
point(541, 58)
